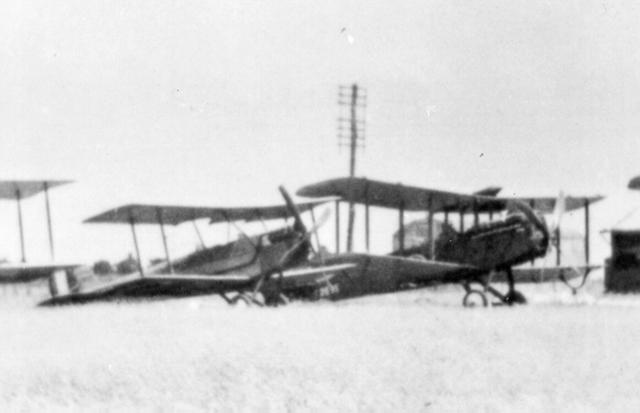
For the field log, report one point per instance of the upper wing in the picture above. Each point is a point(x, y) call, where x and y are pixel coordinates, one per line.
point(397, 196)
point(175, 215)
point(25, 189)
point(135, 286)
point(411, 198)
point(23, 272)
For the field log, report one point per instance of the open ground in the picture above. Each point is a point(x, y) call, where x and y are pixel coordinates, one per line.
point(412, 351)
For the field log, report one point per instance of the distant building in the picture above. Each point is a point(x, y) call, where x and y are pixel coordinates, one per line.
point(622, 270)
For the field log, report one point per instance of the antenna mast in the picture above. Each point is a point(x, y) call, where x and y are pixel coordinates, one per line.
point(351, 133)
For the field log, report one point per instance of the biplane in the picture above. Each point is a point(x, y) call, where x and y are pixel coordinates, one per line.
point(480, 254)
point(24, 271)
point(243, 266)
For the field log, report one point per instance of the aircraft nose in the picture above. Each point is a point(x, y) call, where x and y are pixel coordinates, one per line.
point(541, 235)
point(540, 232)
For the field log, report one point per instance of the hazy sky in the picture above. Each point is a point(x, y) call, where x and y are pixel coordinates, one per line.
point(217, 103)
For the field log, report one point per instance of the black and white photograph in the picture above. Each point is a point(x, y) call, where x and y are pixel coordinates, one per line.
point(309, 206)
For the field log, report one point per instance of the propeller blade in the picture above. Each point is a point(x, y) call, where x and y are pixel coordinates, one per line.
point(558, 211)
point(293, 209)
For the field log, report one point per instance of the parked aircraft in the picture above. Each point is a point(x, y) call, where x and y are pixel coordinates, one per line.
point(474, 255)
point(24, 271)
point(238, 265)
point(466, 257)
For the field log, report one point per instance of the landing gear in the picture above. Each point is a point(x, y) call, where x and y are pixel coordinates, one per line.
point(574, 290)
point(474, 297)
point(242, 299)
point(513, 296)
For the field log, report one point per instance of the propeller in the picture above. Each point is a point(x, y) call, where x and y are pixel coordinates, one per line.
point(559, 209)
point(556, 218)
point(284, 260)
point(288, 255)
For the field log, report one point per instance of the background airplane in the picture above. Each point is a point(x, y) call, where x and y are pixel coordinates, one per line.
point(24, 271)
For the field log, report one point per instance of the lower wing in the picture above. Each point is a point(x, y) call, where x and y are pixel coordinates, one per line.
point(22, 273)
point(149, 286)
point(546, 274)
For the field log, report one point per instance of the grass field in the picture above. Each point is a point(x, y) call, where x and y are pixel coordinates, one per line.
point(413, 351)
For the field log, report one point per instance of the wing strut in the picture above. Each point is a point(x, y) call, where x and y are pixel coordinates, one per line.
point(18, 201)
point(135, 244)
point(164, 240)
point(476, 217)
point(337, 227)
point(367, 232)
point(558, 246)
point(315, 234)
point(195, 226)
point(586, 231)
point(401, 229)
point(49, 227)
point(430, 229)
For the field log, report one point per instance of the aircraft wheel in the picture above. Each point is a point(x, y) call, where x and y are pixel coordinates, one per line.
point(515, 297)
point(474, 298)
